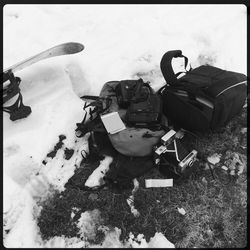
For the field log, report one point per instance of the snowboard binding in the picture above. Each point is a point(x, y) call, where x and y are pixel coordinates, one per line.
point(17, 110)
point(10, 83)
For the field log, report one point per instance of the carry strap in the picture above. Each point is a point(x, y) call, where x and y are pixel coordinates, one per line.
point(166, 66)
point(94, 123)
point(101, 104)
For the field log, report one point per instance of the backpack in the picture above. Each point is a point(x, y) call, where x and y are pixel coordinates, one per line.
point(205, 98)
point(139, 110)
point(132, 148)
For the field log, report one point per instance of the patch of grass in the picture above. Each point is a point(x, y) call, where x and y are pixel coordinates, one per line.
point(216, 213)
point(228, 138)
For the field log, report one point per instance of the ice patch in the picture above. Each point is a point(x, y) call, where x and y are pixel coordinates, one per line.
point(214, 159)
point(160, 241)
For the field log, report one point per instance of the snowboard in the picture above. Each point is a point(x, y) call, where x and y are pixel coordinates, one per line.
point(10, 84)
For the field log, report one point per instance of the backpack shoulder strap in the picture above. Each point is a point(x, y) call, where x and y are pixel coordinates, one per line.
point(100, 105)
point(166, 66)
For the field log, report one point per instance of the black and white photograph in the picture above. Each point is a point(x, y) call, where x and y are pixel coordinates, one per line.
point(124, 125)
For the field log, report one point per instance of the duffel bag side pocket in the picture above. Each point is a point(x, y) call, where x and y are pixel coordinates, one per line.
point(185, 113)
point(227, 105)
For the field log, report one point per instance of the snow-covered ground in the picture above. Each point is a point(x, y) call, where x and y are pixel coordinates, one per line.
point(121, 42)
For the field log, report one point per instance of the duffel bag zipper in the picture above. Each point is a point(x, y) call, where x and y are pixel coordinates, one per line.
point(230, 87)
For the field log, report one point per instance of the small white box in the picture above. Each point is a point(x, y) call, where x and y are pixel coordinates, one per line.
point(158, 183)
point(167, 136)
point(162, 149)
point(113, 122)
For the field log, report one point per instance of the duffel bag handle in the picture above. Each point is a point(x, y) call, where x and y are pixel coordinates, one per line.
point(166, 66)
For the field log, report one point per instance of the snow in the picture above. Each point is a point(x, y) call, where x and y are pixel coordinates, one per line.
point(96, 178)
point(121, 42)
point(181, 210)
point(130, 199)
point(88, 223)
point(214, 159)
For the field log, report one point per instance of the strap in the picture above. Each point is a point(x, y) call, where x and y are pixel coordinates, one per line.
point(166, 66)
point(138, 90)
point(12, 88)
point(91, 125)
point(100, 103)
point(90, 97)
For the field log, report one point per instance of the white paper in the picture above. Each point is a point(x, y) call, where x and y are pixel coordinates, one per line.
point(158, 183)
point(113, 122)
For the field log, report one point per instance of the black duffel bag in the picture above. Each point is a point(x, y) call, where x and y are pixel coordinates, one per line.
point(205, 98)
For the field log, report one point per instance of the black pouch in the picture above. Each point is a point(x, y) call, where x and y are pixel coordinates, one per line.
point(130, 90)
point(146, 113)
point(185, 112)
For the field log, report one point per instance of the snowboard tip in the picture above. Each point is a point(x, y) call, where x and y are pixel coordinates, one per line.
point(73, 47)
